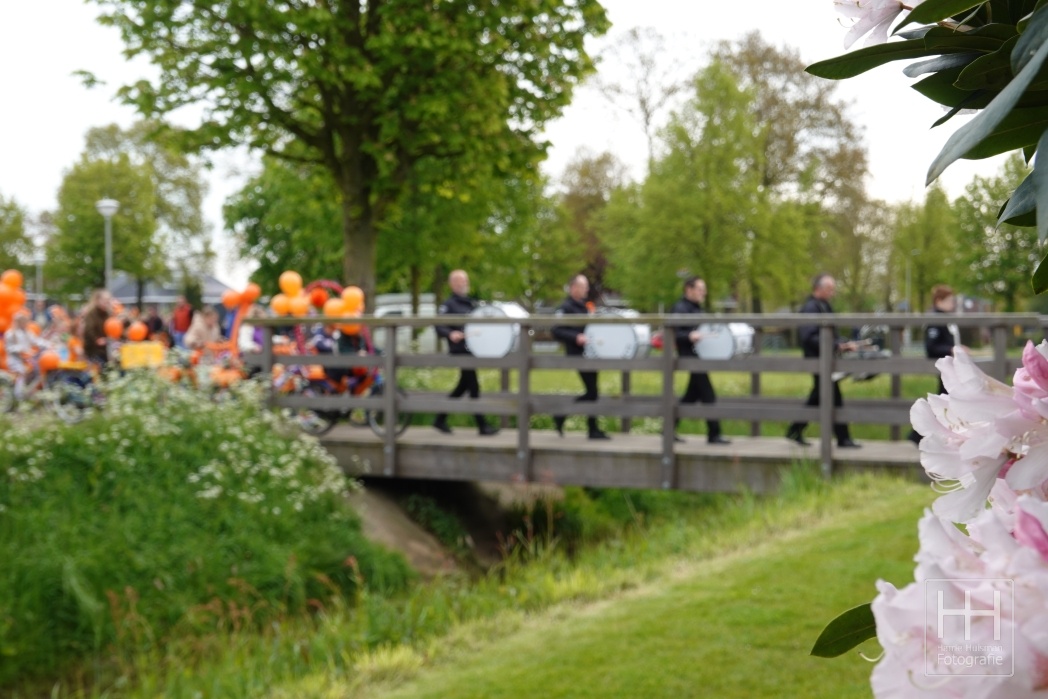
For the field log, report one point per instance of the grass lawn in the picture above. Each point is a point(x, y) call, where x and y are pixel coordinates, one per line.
point(738, 624)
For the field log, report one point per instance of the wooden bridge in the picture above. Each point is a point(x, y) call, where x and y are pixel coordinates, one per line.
point(522, 454)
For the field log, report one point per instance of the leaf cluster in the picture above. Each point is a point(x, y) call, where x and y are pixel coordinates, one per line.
point(988, 56)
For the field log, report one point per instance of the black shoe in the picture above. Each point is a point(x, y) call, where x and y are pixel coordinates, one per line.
point(797, 436)
point(558, 424)
point(442, 426)
point(915, 437)
point(678, 439)
point(599, 434)
point(718, 440)
point(487, 430)
point(849, 444)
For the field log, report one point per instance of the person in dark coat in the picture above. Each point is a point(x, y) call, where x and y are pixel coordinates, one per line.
point(823, 289)
point(940, 340)
point(699, 389)
point(96, 344)
point(460, 303)
point(573, 337)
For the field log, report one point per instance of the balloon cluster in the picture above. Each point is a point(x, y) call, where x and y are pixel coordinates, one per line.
point(114, 329)
point(232, 299)
point(12, 297)
point(295, 301)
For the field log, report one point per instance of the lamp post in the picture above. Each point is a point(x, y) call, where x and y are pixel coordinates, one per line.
point(108, 207)
point(38, 260)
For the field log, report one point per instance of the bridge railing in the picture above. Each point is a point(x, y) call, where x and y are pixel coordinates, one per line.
point(756, 408)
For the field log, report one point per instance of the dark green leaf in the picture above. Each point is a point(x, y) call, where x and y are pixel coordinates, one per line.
point(1028, 153)
point(1040, 185)
point(1040, 276)
point(846, 632)
point(963, 105)
point(857, 62)
point(1021, 128)
point(917, 33)
point(1035, 36)
point(931, 11)
point(934, 65)
point(1020, 207)
point(966, 138)
point(990, 71)
point(984, 39)
point(940, 88)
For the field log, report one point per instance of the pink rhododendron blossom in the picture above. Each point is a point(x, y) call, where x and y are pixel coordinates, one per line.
point(871, 16)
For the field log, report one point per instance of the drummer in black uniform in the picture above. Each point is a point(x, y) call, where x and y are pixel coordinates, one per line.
point(573, 338)
point(699, 387)
point(460, 303)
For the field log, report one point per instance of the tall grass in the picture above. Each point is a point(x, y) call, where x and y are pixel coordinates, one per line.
point(165, 515)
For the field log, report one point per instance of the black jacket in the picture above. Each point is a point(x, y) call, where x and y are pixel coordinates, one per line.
point(685, 347)
point(456, 305)
point(568, 334)
point(938, 341)
point(809, 334)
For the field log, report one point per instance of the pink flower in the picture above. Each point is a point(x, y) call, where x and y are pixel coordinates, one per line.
point(872, 16)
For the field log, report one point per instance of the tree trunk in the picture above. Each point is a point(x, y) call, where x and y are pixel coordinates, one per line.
point(416, 284)
point(140, 289)
point(358, 242)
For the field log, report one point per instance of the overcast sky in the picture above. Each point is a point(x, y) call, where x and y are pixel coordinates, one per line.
point(46, 111)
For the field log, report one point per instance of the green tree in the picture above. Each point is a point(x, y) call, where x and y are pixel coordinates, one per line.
point(15, 247)
point(926, 251)
point(365, 90)
point(589, 181)
point(76, 252)
point(1001, 258)
point(178, 187)
point(695, 205)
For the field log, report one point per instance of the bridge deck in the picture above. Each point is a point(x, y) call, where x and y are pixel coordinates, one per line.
point(627, 460)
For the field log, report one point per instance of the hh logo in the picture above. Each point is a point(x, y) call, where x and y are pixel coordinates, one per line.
point(968, 627)
point(967, 612)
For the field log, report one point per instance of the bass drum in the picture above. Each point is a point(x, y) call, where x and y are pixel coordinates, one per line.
point(607, 341)
point(717, 342)
point(490, 340)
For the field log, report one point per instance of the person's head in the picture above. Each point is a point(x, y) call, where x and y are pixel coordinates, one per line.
point(695, 289)
point(578, 287)
point(102, 299)
point(458, 280)
point(823, 287)
point(943, 298)
point(181, 300)
point(151, 310)
point(210, 316)
point(21, 321)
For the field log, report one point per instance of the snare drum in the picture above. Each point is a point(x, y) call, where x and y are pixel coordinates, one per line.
point(606, 341)
point(717, 342)
point(491, 340)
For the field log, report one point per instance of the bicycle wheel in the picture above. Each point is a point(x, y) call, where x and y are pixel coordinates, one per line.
point(377, 418)
point(310, 421)
point(71, 398)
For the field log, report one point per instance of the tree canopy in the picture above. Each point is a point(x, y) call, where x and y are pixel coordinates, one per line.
point(367, 90)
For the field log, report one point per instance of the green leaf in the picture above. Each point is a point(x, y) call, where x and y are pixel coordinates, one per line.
point(846, 632)
point(1020, 208)
point(966, 138)
point(934, 65)
point(1021, 128)
point(1035, 36)
point(985, 39)
point(931, 11)
point(857, 62)
point(990, 71)
point(1040, 185)
point(1040, 276)
point(939, 88)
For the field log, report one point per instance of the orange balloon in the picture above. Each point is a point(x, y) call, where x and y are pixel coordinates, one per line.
point(19, 298)
point(333, 307)
point(280, 304)
point(49, 360)
point(35, 328)
point(230, 299)
point(113, 328)
point(251, 293)
point(5, 323)
point(291, 283)
point(353, 298)
point(351, 328)
point(299, 305)
point(11, 278)
point(7, 295)
point(137, 331)
point(318, 297)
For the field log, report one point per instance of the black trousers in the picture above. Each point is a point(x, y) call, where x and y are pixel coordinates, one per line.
point(840, 430)
point(589, 383)
point(467, 383)
point(700, 390)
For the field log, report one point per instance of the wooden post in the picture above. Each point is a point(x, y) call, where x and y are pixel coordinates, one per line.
point(504, 388)
point(1000, 352)
point(267, 358)
point(626, 421)
point(827, 344)
point(755, 379)
point(524, 464)
point(669, 411)
point(389, 403)
point(895, 345)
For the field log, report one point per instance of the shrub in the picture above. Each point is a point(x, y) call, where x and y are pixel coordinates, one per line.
point(164, 512)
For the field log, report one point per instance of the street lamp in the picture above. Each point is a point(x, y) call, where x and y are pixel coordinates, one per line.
point(108, 207)
point(38, 260)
